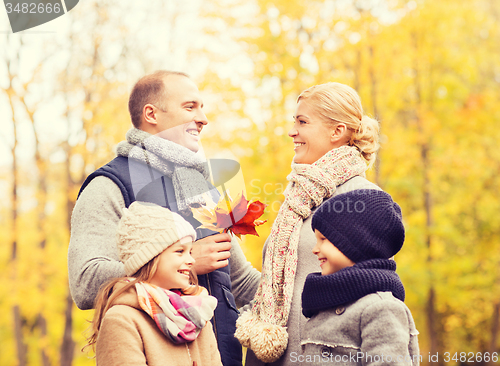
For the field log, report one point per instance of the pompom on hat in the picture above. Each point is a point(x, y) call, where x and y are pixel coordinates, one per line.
point(146, 230)
point(362, 224)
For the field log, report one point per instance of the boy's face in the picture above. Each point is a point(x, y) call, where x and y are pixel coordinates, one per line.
point(330, 258)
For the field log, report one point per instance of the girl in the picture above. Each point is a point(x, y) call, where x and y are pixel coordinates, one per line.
point(158, 315)
point(355, 305)
point(334, 143)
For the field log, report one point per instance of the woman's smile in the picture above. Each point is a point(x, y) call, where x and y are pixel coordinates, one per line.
point(298, 144)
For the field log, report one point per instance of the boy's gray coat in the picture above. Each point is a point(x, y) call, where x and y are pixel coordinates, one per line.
point(377, 329)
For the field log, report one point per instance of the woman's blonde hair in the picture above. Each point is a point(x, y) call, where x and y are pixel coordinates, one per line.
point(107, 296)
point(338, 103)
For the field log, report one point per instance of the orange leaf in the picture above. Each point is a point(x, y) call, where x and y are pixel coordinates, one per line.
point(223, 219)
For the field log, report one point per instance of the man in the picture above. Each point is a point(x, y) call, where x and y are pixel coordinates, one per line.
point(158, 163)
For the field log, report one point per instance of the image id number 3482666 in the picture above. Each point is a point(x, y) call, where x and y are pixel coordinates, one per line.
point(33, 8)
point(468, 357)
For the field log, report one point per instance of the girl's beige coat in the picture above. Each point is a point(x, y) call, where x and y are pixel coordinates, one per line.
point(129, 336)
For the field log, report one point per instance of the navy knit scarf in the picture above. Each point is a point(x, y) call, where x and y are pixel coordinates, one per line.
point(350, 284)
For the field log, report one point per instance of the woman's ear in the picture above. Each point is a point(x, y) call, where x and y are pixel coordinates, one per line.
point(339, 134)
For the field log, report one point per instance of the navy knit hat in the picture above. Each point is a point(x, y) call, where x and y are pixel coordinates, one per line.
point(363, 224)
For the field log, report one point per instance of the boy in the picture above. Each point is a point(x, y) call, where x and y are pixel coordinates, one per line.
point(355, 305)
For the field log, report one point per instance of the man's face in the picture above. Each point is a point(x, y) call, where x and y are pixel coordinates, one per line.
point(184, 119)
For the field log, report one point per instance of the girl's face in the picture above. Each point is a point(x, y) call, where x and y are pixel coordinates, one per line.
point(174, 266)
point(312, 138)
point(330, 258)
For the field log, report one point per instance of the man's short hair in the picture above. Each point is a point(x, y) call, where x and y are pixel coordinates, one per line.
point(149, 89)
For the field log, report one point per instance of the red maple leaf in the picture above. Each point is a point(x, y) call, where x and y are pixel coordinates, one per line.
point(247, 224)
point(239, 216)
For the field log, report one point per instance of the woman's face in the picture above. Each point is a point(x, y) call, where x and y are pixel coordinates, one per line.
point(312, 138)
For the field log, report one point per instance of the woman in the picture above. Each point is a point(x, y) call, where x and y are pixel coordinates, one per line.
point(334, 145)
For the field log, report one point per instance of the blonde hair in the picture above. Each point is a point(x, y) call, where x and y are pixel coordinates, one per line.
point(107, 296)
point(338, 103)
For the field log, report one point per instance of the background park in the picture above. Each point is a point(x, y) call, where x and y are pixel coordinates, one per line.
point(428, 70)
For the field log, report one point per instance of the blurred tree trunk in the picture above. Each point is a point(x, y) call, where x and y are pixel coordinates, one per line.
point(68, 344)
point(425, 147)
point(495, 325)
point(41, 195)
point(431, 295)
point(494, 9)
point(16, 311)
point(41, 216)
point(21, 346)
point(374, 97)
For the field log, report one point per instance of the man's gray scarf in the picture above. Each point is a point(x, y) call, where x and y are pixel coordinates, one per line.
point(188, 170)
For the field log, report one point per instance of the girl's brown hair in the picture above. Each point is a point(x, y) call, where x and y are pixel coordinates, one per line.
point(338, 103)
point(107, 296)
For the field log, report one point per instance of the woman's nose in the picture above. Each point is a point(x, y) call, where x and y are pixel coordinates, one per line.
point(292, 132)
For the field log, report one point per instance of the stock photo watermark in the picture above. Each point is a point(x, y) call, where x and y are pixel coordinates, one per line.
point(27, 14)
point(353, 358)
point(262, 192)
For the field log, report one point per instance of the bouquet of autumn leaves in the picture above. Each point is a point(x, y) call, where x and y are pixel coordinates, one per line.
point(237, 216)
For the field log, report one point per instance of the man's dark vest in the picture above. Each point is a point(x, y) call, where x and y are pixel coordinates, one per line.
point(218, 283)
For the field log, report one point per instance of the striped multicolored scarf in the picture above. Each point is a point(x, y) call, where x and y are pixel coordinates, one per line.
point(179, 317)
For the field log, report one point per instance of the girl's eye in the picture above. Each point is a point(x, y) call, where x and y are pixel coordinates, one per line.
point(302, 122)
point(189, 107)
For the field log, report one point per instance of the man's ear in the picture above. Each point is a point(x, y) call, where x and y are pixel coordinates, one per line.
point(338, 133)
point(149, 115)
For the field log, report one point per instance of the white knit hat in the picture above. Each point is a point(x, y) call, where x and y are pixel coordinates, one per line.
point(146, 230)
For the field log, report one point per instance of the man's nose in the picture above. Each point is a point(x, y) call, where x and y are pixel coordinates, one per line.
point(201, 118)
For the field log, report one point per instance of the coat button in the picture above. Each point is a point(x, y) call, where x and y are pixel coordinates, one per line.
point(340, 310)
point(325, 351)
